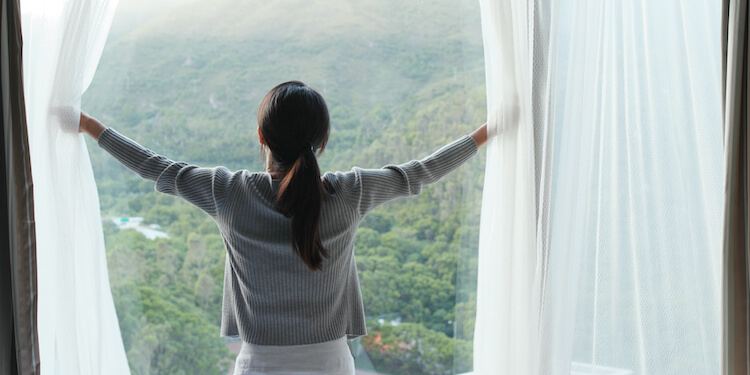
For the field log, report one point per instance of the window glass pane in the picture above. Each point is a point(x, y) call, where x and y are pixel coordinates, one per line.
point(401, 79)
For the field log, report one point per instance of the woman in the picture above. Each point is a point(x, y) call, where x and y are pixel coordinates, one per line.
point(291, 290)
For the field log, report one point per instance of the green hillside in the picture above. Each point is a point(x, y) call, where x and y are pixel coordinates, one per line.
point(205, 66)
point(401, 78)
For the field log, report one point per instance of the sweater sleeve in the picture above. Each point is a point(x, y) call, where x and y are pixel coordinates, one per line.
point(370, 188)
point(206, 188)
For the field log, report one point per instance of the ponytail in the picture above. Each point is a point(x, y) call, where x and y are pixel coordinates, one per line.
point(293, 121)
point(300, 197)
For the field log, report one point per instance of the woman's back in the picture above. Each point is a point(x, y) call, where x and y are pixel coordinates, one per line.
point(270, 295)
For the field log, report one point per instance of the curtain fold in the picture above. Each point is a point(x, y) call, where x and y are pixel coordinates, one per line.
point(628, 110)
point(19, 289)
point(78, 326)
point(735, 317)
point(507, 310)
point(602, 222)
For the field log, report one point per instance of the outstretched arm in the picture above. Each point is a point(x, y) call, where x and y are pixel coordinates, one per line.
point(370, 188)
point(206, 188)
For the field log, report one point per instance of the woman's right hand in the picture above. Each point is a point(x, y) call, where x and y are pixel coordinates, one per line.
point(90, 126)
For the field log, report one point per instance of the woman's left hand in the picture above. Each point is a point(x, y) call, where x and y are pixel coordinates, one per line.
point(480, 135)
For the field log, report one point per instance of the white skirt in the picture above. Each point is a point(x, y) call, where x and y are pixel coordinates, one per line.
point(331, 358)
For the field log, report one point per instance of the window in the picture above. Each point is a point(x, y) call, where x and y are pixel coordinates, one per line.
point(401, 79)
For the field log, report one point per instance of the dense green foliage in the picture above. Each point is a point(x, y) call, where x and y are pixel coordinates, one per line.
point(401, 79)
point(410, 348)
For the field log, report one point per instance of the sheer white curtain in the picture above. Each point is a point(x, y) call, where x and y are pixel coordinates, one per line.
point(78, 328)
point(507, 309)
point(625, 158)
point(629, 101)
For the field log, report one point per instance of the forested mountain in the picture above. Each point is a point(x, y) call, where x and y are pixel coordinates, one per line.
point(401, 78)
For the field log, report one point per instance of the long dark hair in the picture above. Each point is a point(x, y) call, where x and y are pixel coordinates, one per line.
point(293, 120)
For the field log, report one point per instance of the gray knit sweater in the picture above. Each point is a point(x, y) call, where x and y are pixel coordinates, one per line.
point(270, 296)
